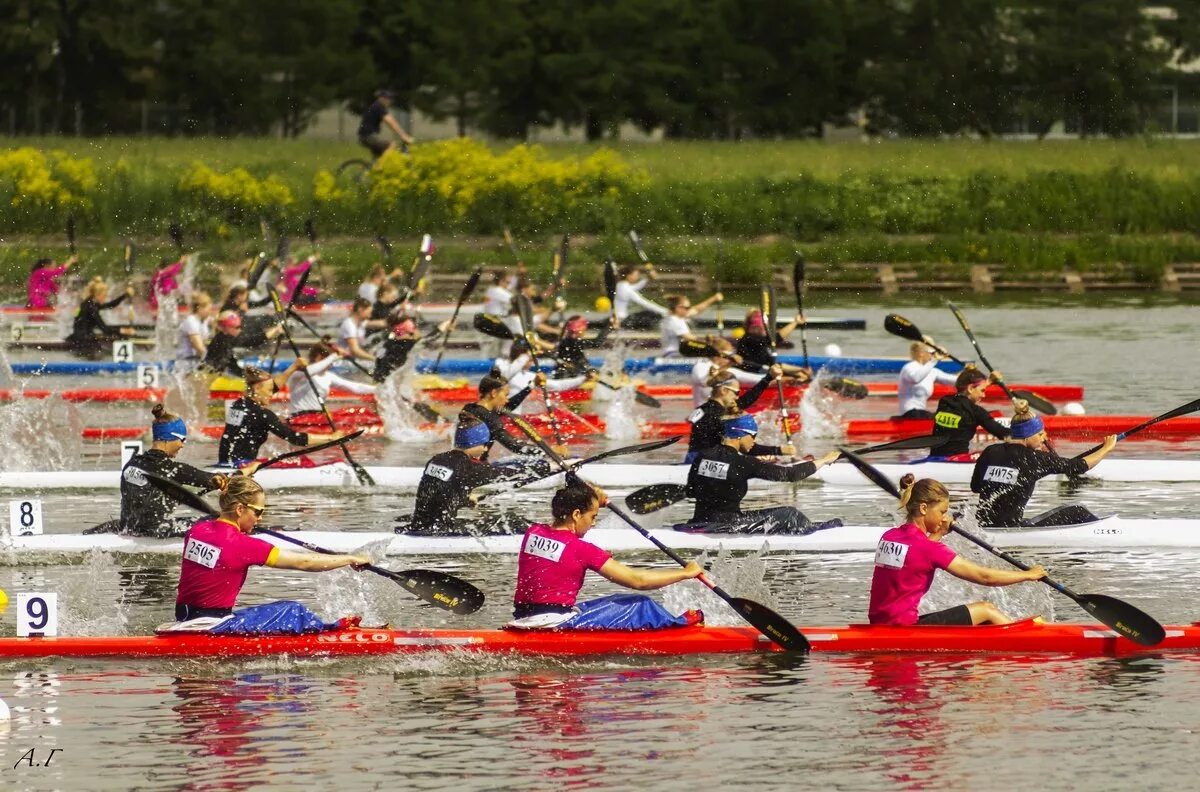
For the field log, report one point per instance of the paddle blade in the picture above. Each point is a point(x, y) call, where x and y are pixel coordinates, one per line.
point(844, 386)
point(690, 347)
point(770, 624)
point(610, 279)
point(560, 262)
point(871, 473)
point(426, 412)
point(897, 325)
point(310, 231)
point(1039, 403)
point(256, 272)
point(655, 497)
point(177, 492)
point(636, 240)
point(926, 441)
point(440, 590)
point(71, 231)
point(525, 314)
point(767, 304)
point(420, 270)
point(384, 246)
point(469, 287)
point(1130, 622)
point(130, 256)
point(798, 279)
point(492, 326)
point(646, 399)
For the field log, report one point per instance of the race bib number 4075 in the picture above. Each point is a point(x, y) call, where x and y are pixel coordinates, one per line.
point(1000, 474)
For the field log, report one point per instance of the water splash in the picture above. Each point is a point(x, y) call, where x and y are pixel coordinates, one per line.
point(819, 412)
point(7, 378)
point(166, 329)
point(41, 434)
point(621, 418)
point(393, 398)
point(81, 611)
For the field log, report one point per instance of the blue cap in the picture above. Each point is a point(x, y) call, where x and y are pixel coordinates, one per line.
point(741, 426)
point(475, 434)
point(171, 430)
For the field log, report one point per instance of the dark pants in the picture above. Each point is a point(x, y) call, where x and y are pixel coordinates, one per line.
point(776, 520)
point(913, 415)
point(189, 612)
point(641, 320)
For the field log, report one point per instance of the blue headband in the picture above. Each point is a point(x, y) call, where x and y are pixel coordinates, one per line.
point(470, 436)
point(171, 430)
point(741, 426)
point(1027, 429)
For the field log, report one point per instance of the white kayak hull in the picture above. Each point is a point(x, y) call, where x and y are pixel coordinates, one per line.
point(1130, 470)
point(1106, 534)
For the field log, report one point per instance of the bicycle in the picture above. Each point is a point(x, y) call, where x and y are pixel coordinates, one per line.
point(355, 170)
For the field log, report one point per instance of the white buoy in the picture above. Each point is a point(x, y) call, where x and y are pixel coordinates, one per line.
point(833, 350)
point(1073, 408)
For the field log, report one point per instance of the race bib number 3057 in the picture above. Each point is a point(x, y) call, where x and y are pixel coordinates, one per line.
point(711, 468)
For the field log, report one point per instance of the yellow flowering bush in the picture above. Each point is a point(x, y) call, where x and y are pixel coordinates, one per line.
point(37, 180)
point(237, 192)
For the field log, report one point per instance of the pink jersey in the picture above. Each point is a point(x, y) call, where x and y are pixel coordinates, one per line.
point(43, 285)
point(552, 564)
point(216, 556)
point(290, 278)
point(164, 283)
point(905, 561)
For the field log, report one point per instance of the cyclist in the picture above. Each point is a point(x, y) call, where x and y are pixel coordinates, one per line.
point(369, 130)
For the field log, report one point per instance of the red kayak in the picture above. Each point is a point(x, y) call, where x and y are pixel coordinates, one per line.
point(1021, 638)
point(89, 394)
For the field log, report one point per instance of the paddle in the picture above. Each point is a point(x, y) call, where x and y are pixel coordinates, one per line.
point(360, 472)
point(1190, 407)
point(762, 618)
point(717, 287)
point(1122, 617)
point(897, 325)
point(798, 286)
point(308, 449)
point(768, 307)
point(281, 313)
point(512, 246)
point(256, 271)
point(421, 266)
point(467, 289)
point(659, 496)
point(130, 263)
point(1035, 401)
point(558, 277)
point(385, 247)
point(310, 230)
point(640, 448)
point(437, 588)
point(525, 314)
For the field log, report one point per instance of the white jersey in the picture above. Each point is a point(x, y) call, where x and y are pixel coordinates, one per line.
point(369, 291)
point(916, 384)
point(351, 329)
point(674, 328)
point(534, 403)
point(497, 301)
point(302, 397)
point(190, 326)
point(631, 293)
point(700, 373)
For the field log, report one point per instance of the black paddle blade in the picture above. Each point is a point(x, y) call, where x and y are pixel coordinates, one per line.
point(283, 248)
point(440, 590)
point(311, 449)
point(384, 246)
point(492, 326)
point(176, 234)
point(798, 279)
point(640, 448)
point(1039, 403)
point(71, 231)
point(419, 272)
point(560, 262)
point(925, 441)
point(655, 497)
point(897, 325)
point(178, 492)
point(1190, 407)
point(610, 279)
point(426, 412)
point(525, 314)
point(1132, 623)
point(310, 231)
point(690, 347)
point(767, 304)
point(873, 474)
point(770, 624)
point(844, 386)
point(646, 399)
point(256, 272)
point(469, 286)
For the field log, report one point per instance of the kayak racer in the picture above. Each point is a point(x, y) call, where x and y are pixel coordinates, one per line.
point(248, 422)
point(707, 420)
point(555, 559)
point(917, 380)
point(959, 415)
point(1007, 473)
point(907, 558)
point(719, 478)
point(217, 554)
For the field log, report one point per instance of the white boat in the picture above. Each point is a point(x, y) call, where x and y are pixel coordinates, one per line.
point(960, 472)
point(617, 476)
point(1105, 534)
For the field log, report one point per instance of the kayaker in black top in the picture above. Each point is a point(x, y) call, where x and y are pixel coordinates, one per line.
point(1007, 473)
point(145, 509)
point(494, 399)
point(719, 478)
point(89, 331)
point(958, 416)
point(708, 420)
point(754, 347)
point(570, 352)
point(248, 422)
point(446, 486)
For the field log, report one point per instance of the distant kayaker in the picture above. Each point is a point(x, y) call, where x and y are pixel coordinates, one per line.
point(303, 400)
point(42, 288)
point(724, 362)
point(217, 554)
point(219, 357)
point(1007, 473)
point(917, 380)
point(908, 556)
point(518, 370)
point(629, 292)
point(675, 327)
point(555, 559)
point(163, 282)
point(194, 333)
point(145, 510)
point(352, 333)
point(447, 482)
point(708, 420)
point(488, 408)
point(720, 476)
point(571, 354)
point(248, 422)
point(958, 416)
point(89, 331)
point(754, 347)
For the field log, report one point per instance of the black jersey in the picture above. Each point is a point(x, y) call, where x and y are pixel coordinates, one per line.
point(708, 424)
point(445, 485)
point(220, 355)
point(957, 417)
point(495, 422)
point(247, 425)
point(755, 349)
point(145, 510)
point(89, 328)
point(1006, 475)
point(719, 478)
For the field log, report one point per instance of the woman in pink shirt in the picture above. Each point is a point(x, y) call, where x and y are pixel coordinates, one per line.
point(289, 279)
point(555, 558)
point(908, 557)
point(163, 281)
point(42, 287)
point(217, 553)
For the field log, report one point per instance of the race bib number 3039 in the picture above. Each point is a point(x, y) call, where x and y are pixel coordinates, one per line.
point(544, 547)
